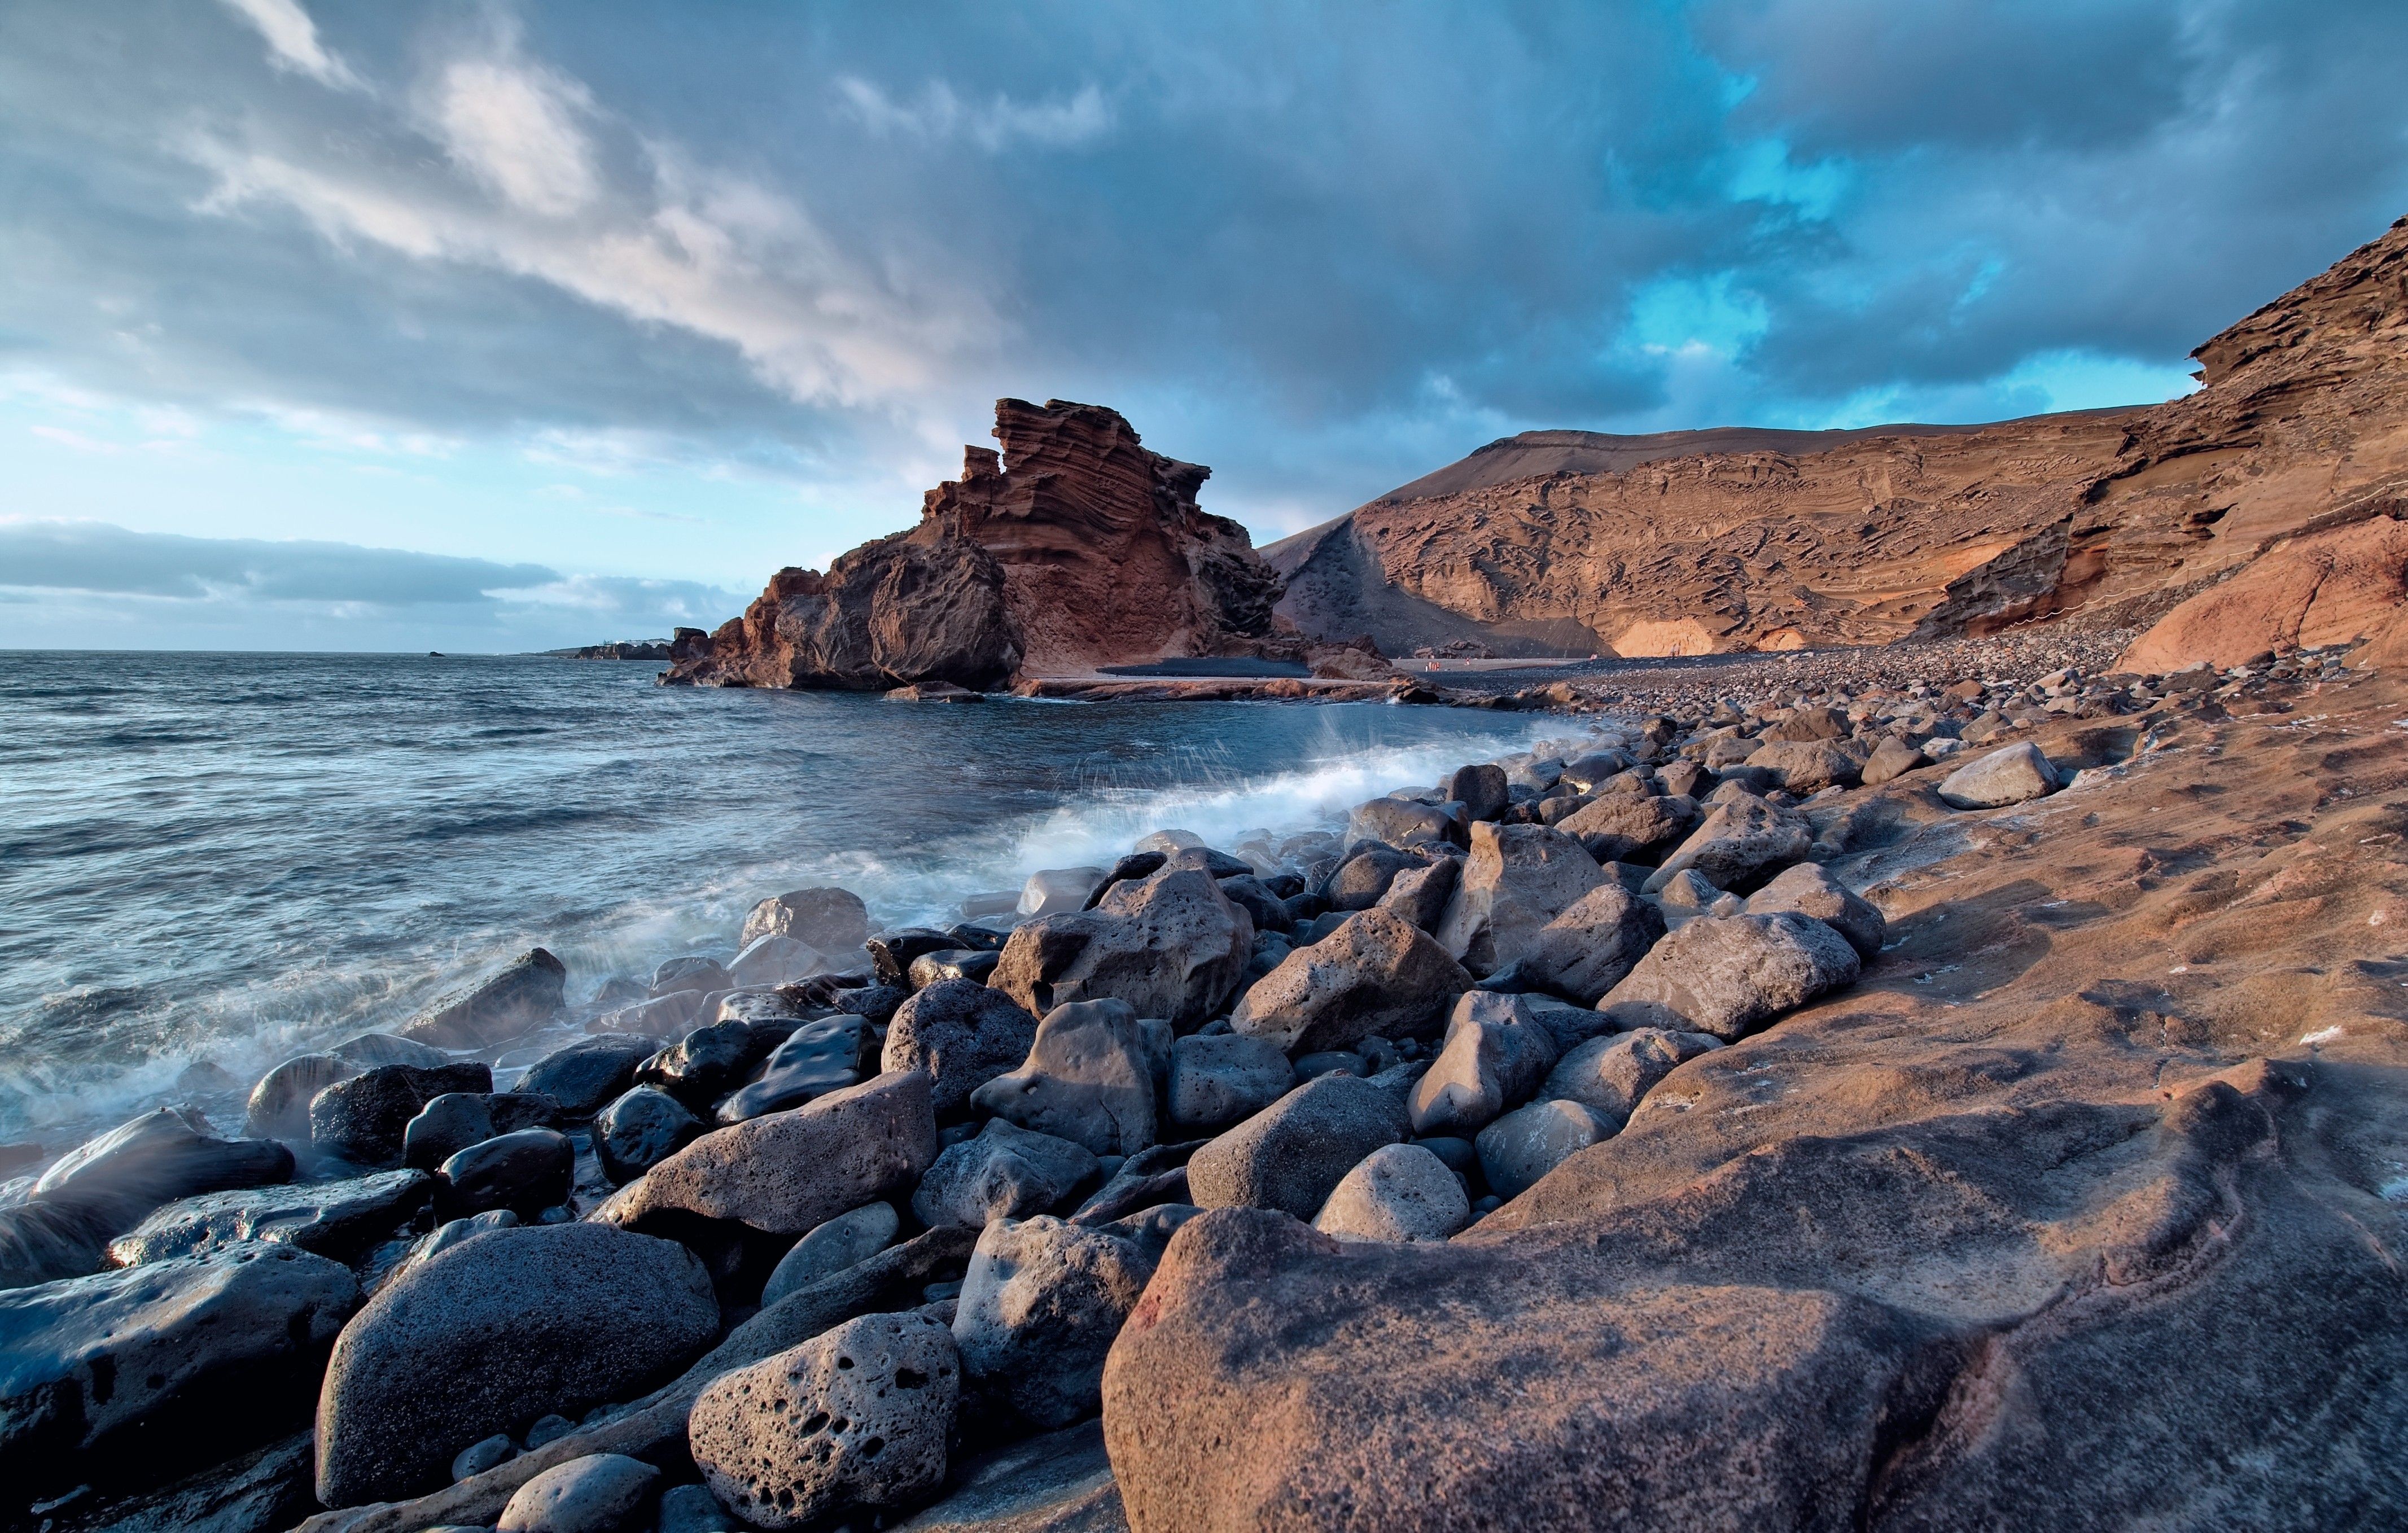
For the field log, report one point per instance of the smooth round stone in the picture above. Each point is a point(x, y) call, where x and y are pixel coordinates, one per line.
point(601, 1493)
point(842, 1242)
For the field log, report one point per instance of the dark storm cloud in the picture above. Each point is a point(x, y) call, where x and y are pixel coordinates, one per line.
point(1322, 248)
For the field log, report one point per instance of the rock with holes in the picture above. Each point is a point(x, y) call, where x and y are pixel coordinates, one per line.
point(1171, 945)
point(492, 1333)
point(522, 996)
point(2013, 775)
point(1401, 1192)
point(1608, 1075)
point(1592, 943)
point(601, 1493)
point(1290, 1154)
point(1729, 974)
point(857, 1417)
point(1042, 1301)
point(1630, 826)
point(1089, 1078)
point(1742, 843)
point(788, 1172)
point(1516, 880)
point(1220, 1078)
point(1808, 888)
point(1420, 895)
point(1377, 974)
point(1485, 1066)
point(1005, 1171)
point(963, 1034)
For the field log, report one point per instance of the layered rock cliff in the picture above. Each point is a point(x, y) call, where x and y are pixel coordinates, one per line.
point(1073, 547)
point(1732, 539)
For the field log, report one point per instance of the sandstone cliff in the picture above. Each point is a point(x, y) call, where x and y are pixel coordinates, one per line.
point(1073, 548)
point(1691, 542)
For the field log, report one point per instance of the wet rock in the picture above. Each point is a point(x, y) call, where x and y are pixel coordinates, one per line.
point(1376, 973)
point(1137, 864)
point(369, 1050)
point(1742, 843)
point(1483, 1067)
point(1526, 1143)
point(1290, 1154)
point(875, 1004)
point(974, 965)
point(523, 997)
point(364, 1118)
point(155, 1159)
point(585, 1076)
point(279, 1107)
point(1404, 824)
point(1088, 1077)
point(452, 1122)
point(1053, 891)
point(1587, 950)
point(712, 1059)
point(2011, 776)
point(642, 1128)
point(1420, 895)
point(1004, 1172)
point(1363, 879)
point(819, 1057)
point(1727, 975)
point(1516, 880)
point(1808, 888)
point(775, 960)
point(1892, 758)
point(1480, 789)
point(1171, 946)
point(494, 1332)
point(963, 1035)
point(858, 1417)
point(601, 1493)
point(340, 1220)
point(788, 1172)
point(844, 1241)
point(525, 1172)
point(891, 953)
point(1041, 1305)
point(1631, 827)
point(833, 921)
point(1221, 1080)
point(1609, 1075)
point(195, 1345)
point(444, 1236)
point(1403, 1192)
point(1805, 766)
point(1588, 770)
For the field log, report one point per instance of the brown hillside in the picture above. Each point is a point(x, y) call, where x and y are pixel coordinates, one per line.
point(1739, 539)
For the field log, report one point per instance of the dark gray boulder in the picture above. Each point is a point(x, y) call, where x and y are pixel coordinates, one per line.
point(525, 1173)
point(523, 997)
point(365, 1119)
point(587, 1074)
point(1481, 790)
point(197, 1347)
point(456, 1120)
point(335, 1218)
point(1042, 1301)
point(494, 1333)
point(819, 1057)
point(156, 1158)
point(1004, 1172)
point(279, 1107)
point(641, 1129)
point(1362, 880)
point(1290, 1154)
point(964, 1034)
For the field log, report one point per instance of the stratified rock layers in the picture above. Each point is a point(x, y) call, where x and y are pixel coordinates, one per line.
point(1074, 547)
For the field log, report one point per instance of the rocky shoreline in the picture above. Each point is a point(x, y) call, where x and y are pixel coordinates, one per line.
point(988, 1225)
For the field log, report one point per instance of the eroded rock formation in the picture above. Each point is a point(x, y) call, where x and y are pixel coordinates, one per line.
point(1074, 547)
point(1720, 540)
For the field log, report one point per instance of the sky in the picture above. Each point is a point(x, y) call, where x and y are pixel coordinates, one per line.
point(499, 327)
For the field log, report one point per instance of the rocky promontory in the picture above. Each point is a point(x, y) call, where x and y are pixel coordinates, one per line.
point(1071, 549)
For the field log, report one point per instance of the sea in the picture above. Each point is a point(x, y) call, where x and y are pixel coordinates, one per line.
point(211, 861)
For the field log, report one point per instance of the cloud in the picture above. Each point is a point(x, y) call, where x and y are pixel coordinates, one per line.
point(993, 125)
point(100, 558)
point(515, 129)
point(292, 42)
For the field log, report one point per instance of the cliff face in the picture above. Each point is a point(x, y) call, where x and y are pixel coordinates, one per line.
point(1073, 548)
point(1686, 542)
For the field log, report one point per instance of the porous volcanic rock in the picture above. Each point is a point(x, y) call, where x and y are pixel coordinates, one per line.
point(1073, 548)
